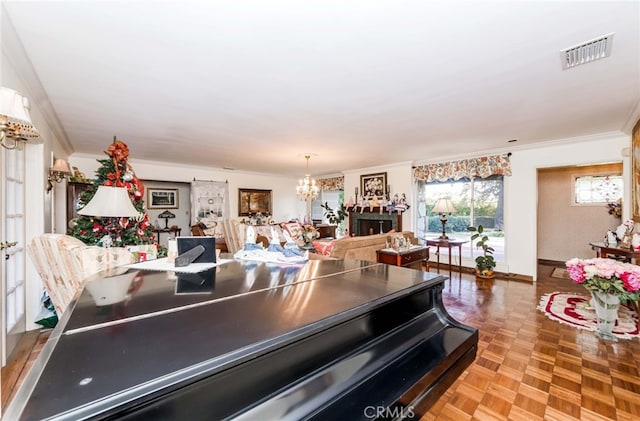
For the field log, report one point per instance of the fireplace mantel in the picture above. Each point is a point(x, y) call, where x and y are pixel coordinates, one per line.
point(371, 221)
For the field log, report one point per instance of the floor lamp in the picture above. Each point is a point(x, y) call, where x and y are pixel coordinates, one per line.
point(443, 206)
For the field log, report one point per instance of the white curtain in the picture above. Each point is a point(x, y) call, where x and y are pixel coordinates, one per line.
point(210, 205)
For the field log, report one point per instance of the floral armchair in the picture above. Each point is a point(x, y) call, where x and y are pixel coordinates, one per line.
point(63, 262)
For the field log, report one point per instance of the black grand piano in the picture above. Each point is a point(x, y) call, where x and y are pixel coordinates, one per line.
point(325, 340)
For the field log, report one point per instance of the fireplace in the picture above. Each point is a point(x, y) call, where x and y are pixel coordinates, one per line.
point(373, 226)
point(371, 222)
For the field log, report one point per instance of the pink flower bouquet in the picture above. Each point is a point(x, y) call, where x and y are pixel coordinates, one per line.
point(606, 275)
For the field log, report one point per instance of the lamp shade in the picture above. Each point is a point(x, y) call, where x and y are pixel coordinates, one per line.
point(110, 202)
point(61, 166)
point(12, 106)
point(15, 115)
point(166, 214)
point(443, 205)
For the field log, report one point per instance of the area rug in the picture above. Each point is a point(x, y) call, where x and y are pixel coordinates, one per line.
point(560, 273)
point(574, 310)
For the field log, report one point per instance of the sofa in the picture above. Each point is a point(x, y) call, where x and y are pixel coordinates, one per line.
point(359, 248)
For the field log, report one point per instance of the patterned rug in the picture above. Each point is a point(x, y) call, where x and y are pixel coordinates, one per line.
point(574, 309)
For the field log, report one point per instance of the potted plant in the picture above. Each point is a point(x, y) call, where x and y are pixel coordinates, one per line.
point(335, 217)
point(485, 263)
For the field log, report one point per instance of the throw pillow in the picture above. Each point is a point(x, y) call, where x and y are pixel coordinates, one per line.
point(323, 246)
point(294, 229)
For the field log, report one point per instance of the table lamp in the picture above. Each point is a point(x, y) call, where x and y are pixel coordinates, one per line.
point(110, 202)
point(166, 215)
point(443, 206)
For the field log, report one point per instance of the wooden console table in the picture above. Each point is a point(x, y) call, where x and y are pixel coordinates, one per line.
point(605, 250)
point(176, 231)
point(450, 244)
point(407, 258)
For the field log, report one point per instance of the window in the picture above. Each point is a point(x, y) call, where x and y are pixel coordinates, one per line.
point(597, 189)
point(332, 197)
point(477, 201)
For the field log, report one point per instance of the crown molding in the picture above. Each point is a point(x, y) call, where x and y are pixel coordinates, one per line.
point(539, 145)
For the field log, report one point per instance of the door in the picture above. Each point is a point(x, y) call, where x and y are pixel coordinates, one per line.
point(12, 255)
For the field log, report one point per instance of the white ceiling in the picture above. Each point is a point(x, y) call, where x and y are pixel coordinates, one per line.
point(254, 85)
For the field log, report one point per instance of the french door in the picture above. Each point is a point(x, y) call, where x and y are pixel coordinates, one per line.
point(12, 255)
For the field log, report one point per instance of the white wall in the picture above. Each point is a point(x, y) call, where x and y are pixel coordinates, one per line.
point(521, 189)
point(399, 179)
point(182, 213)
point(564, 228)
point(285, 204)
point(41, 209)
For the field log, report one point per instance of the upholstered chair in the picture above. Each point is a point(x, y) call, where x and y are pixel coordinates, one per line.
point(63, 262)
point(198, 229)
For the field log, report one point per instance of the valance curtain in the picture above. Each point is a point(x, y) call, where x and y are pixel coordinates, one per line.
point(482, 167)
point(334, 183)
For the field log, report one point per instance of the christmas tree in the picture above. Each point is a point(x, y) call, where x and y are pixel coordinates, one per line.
point(114, 171)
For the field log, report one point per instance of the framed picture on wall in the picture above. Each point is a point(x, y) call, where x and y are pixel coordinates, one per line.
point(252, 201)
point(162, 198)
point(374, 184)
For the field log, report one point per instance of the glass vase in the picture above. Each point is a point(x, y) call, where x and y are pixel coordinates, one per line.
point(606, 306)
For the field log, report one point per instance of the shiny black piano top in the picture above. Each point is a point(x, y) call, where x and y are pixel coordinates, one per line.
point(136, 332)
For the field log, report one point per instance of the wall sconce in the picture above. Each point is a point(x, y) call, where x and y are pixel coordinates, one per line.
point(58, 172)
point(15, 123)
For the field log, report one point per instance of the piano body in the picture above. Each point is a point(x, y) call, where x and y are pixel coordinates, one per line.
point(329, 339)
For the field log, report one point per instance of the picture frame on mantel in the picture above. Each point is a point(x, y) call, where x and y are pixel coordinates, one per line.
point(252, 201)
point(374, 184)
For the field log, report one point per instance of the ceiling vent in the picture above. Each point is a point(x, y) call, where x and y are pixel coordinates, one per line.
point(587, 52)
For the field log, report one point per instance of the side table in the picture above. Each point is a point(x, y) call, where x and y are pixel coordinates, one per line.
point(407, 258)
point(176, 231)
point(605, 250)
point(449, 244)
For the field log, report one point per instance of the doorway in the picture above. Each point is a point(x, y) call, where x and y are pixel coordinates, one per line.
point(12, 255)
point(565, 228)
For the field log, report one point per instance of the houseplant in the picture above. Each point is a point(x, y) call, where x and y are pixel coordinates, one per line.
point(485, 263)
point(335, 217)
point(610, 282)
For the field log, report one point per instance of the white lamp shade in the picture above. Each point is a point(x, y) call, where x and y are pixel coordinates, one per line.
point(444, 205)
point(110, 202)
point(12, 105)
point(15, 114)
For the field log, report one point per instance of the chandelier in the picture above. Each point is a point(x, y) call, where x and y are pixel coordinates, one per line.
point(307, 189)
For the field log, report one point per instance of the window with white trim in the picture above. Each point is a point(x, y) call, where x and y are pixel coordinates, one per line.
point(597, 189)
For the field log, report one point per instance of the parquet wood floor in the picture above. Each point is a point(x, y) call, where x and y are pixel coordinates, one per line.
point(528, 367)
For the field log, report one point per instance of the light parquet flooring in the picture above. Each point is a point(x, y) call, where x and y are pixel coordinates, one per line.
point(529, 367)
